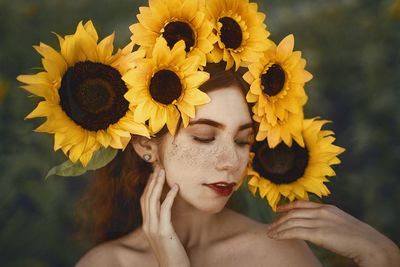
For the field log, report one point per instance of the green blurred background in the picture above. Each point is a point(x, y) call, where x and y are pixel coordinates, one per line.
point(352, 48)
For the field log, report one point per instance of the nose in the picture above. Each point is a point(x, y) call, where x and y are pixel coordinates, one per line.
point(228, 158)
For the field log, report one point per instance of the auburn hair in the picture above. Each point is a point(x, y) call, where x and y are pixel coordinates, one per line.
point(110, 206)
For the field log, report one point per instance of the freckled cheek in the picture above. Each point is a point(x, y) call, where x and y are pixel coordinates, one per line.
point(189, 164)
point(186, 164)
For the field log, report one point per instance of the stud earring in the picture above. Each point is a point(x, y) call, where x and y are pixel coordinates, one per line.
point(146, 157)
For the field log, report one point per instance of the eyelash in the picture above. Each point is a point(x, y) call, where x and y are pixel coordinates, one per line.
point(200, 140)
point(207, 141)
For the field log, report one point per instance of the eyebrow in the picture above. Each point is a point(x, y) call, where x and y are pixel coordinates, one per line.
point(219, 125)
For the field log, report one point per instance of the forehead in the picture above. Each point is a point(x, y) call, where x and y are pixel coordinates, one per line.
point(227, 106)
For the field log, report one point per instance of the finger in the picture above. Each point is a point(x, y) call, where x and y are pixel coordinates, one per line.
point(302, 233)
point(154, 200)
point(296, 214)
point(299, 204)
point(148, 185)
point(165, 212)
point(305, 223)
point(144, 200)
point(151, 178)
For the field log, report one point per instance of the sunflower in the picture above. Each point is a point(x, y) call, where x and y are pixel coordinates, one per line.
point(277, 86)
point(294, 171)
point(174, 20)
point(165, 86)
point(83, 93)
point(284, 130)
point(241, 32)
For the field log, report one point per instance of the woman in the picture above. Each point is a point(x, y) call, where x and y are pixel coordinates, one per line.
point(168, 196)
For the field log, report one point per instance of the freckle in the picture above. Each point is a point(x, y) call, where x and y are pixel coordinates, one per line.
point(191, 155)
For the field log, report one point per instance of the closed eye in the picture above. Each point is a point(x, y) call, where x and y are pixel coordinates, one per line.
point(203, 140)
point(243, 143)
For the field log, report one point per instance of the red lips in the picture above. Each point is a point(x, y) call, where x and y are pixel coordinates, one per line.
point(222, 188)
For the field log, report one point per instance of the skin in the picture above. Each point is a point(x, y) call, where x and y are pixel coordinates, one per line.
point(329, 227)
point(187, 224)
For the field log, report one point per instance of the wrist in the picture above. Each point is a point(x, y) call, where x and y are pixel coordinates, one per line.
point(380, 253)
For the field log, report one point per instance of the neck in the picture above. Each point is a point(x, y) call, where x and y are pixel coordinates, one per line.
point(194, 227)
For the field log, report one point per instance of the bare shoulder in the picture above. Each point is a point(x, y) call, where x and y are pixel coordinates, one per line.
point(292, 252)
point(260, 247)
point(113, 254)
point(102, 255)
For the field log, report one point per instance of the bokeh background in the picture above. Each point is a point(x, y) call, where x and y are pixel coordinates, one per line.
point(352, 48)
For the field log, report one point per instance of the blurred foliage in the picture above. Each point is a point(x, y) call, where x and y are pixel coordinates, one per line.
point(352, 48)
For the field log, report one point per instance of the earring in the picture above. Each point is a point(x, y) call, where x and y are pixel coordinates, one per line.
point(146, 157)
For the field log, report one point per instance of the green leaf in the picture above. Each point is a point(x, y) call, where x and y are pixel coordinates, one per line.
point(100, 159)
point(68, 168)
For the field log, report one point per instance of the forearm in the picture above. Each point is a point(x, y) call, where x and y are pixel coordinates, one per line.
point(382, 252)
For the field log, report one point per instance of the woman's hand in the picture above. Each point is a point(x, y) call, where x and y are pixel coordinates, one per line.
point(331, 228)
point(157, 225)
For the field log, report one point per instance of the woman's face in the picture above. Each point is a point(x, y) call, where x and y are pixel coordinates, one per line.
point(213, 148)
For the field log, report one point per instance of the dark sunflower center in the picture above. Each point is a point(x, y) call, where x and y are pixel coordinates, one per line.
point(92, 95)
point(176, 31)
point(231, 33)
point(282, 164)
point(273, 80)
point(165, 86)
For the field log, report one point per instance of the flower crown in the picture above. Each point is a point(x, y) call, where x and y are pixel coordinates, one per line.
point(94, 100)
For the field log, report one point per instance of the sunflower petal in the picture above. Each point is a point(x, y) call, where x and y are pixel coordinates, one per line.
point(105, 48)
point(158, 119)
point(172, 119)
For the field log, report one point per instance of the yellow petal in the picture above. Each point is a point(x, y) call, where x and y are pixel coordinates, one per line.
point(43, 90)
point(43, 109)
point(54, 70)
point(87, 44)
point(76, 151)
point(161, 52)
point(185, 119)
point(189, 8)
point(186, 108)
point(90, 29)
point(285, 48)
point(49, 53)
point(172, 119)
point(144, 111)
point(274, 137)
point(196, 79)
point(158, 119)
point(105, 48)
point(103, 138)
point(196, 97)
point(70, 51)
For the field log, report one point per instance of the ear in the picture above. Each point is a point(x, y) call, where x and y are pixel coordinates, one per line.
point(145, 146)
